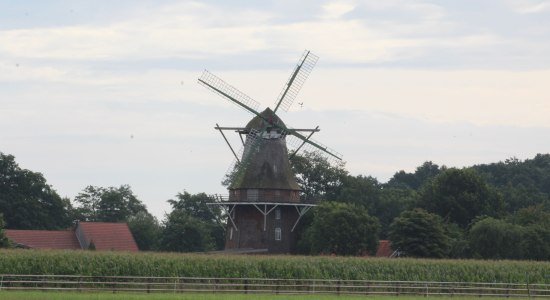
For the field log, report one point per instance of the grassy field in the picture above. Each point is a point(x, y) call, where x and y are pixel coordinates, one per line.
point(109, 296)
point(258, 266)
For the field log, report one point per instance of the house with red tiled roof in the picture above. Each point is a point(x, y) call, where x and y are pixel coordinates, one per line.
point(43, 239)
point(103, 236)
point(106, 236)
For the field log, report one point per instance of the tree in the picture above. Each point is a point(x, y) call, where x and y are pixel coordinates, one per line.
point(422, 174)
point(459, 196)
point(196, 206)
point(98, 204)
point(522, 183)
point(392, 202)
point(27, 201)
point(343, 229)
point(192, 225)
point(496, 239)
point(316, 176)
point(418, 233)
point(3, 239)
point(359, 190)
point(536, 236)
point(146, 230)
point(536, 242)
point(185, 233)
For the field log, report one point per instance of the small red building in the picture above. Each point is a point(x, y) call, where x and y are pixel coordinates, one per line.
point(103, 236)
point(384, 249)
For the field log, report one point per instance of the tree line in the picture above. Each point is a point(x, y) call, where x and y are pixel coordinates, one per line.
point(494, 211)
point(498, 211)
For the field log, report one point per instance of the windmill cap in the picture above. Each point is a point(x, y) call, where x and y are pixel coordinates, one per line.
point(258, 123)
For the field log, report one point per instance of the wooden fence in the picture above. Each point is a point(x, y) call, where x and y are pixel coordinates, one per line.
point(271, 286)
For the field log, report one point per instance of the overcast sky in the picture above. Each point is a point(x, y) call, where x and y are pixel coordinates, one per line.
point(105, 92)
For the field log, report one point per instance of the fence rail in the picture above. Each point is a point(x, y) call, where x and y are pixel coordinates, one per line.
point(271, 286)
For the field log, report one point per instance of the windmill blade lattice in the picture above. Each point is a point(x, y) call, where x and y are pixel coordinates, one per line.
point(296, 81)
point(294, 143)
point(226, 90)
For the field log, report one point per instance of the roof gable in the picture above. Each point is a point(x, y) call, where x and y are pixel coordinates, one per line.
point(44, 239)
point(107, 236)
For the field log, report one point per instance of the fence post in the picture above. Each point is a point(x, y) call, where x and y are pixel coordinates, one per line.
point(338, 287)
point(246, 286)
point(528, 289)
point(427, 292)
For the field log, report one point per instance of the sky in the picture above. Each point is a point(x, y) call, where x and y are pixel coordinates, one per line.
point(105, 93)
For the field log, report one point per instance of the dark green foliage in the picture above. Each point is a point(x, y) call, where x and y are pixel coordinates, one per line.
point(193, 226)
point(316, 176)
point(359, 190)
point(27, 201)
point(459, 196)
point(98, 204)
point(424, 173)
point(185, 233)
point(493, 238)
point(418, 233)
point(393, 202)
point(458, 242)
point(523, 183)
point(535, 242)
point(343, 229)
point(91, 246)
point(525, 235)
point(146, 230)
point(3, 239)
point(195, 205)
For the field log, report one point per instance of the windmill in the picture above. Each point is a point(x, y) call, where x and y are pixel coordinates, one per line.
point(264, 204)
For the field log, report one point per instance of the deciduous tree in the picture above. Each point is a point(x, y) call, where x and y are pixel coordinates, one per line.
point(343, 229)
point(27, 201)
point(192, 225)
point(3, 239)
point(459, 196)
point(98, 204)
point(318, 178)
point(418, 233)
point(146, 230)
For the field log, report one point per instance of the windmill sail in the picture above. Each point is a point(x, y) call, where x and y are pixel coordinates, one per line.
point(226, 90)
point(302, 143)
point(296, 81)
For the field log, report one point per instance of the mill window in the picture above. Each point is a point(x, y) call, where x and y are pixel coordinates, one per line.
point(277, 234)
point(277, 214)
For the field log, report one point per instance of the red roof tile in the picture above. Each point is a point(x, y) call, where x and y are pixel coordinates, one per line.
point(384, 249)
point(44, 239)
point(109, 236)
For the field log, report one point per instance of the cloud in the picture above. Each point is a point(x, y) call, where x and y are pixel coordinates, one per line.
point(194, 30)
point(335, 10)
point(530, 7)
point(478, 97)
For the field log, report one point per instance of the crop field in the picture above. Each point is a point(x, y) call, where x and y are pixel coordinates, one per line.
point(129, 296)
point(90, 263)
